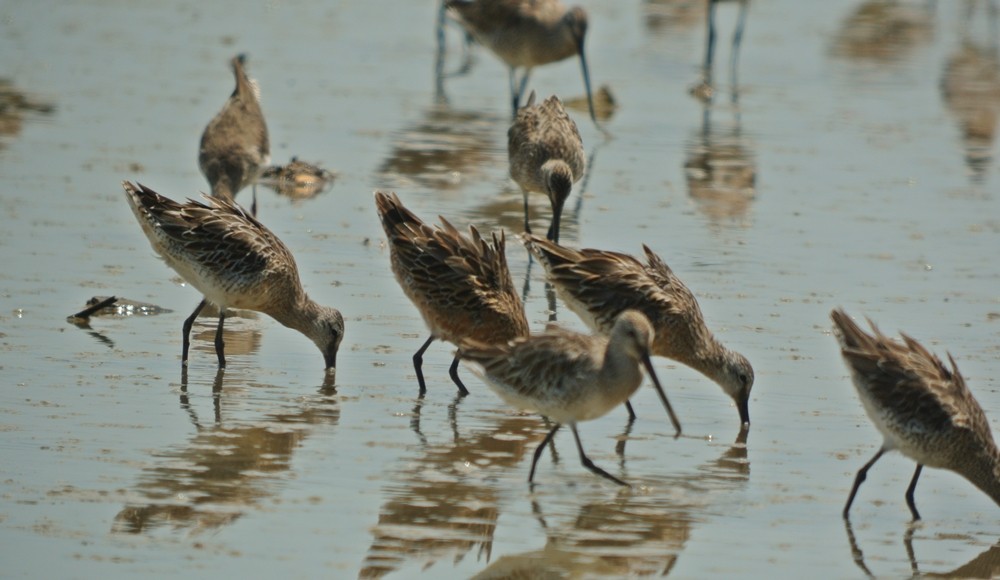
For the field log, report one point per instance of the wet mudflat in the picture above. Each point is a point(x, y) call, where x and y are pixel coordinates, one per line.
point(857, 168)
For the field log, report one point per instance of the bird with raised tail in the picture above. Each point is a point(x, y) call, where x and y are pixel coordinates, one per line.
point(235, 262)
point(234, 146)
point(460, 283)
point(922, 408)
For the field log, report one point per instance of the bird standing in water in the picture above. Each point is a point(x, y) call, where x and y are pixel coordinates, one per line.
point(234, 147)
point(545, 154)
point(570, 377)
point(460, 284)
point(525, 34)
point(922, 408)
point(235, 262)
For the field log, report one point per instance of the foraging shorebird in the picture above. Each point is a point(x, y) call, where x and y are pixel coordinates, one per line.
point(525, 34)
point(570, 377)
point(234, 147)
point(460, 284)
point(599, 285)
point(922, 408)
point(546, 155)
point(235, 262)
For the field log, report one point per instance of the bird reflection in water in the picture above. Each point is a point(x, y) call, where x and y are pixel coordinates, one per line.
point(240, 341)
point(631, 534)
point(884, 31)
point(445, 149)
point(222, 471)
point(441, 53)
point(15, 104)
point(970, 88)
point(669, 18)
point(985, 565)
point(441, 506)
point(721, 171)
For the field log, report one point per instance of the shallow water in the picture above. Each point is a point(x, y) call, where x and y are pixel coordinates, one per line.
point(857, 169)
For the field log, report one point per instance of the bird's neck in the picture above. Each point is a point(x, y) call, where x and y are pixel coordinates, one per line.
point(620, 373)
point(710, 360)
point(299, 315)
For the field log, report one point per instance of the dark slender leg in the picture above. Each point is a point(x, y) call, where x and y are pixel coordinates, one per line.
point(631, 412)
point(538, 451)
point(217, 394)
point(186, 341)
point(590, 464)
point(706, 68)
point(552, 445)
point(734, 58)
point(418, 363)
point(439, 57)
point(220, 346)
point(527, 226)
point(859, 479)
point(909, 492)
point(453, 372)
point(514, 97)
point(520, 90)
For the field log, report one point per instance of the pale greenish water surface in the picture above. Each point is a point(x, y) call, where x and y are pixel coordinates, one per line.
point(857, 169)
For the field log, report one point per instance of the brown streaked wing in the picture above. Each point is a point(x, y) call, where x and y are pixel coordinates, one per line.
point(908, 379)
point(545, 367)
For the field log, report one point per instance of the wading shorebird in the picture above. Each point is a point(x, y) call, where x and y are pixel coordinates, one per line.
point(545, 154)
point(570, 377)
point(525, 34)
point(705, 89)
point(234, 147)
point(922, 408)
point(235, 262)
point(460, 284)
point(599, 285)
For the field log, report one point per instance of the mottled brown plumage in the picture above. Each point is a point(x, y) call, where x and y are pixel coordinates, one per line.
point(234, 146)
point(235, 262)
point(922, 408)
point(546, 155)
point(525, 34)
point(570, 377)
point(599, 285)
point(460, 284)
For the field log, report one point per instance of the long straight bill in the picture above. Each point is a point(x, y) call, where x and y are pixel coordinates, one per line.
point(586, 85)
point(663, 396)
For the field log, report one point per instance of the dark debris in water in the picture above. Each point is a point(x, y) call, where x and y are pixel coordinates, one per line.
point(298, 179)
point(115, 307)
